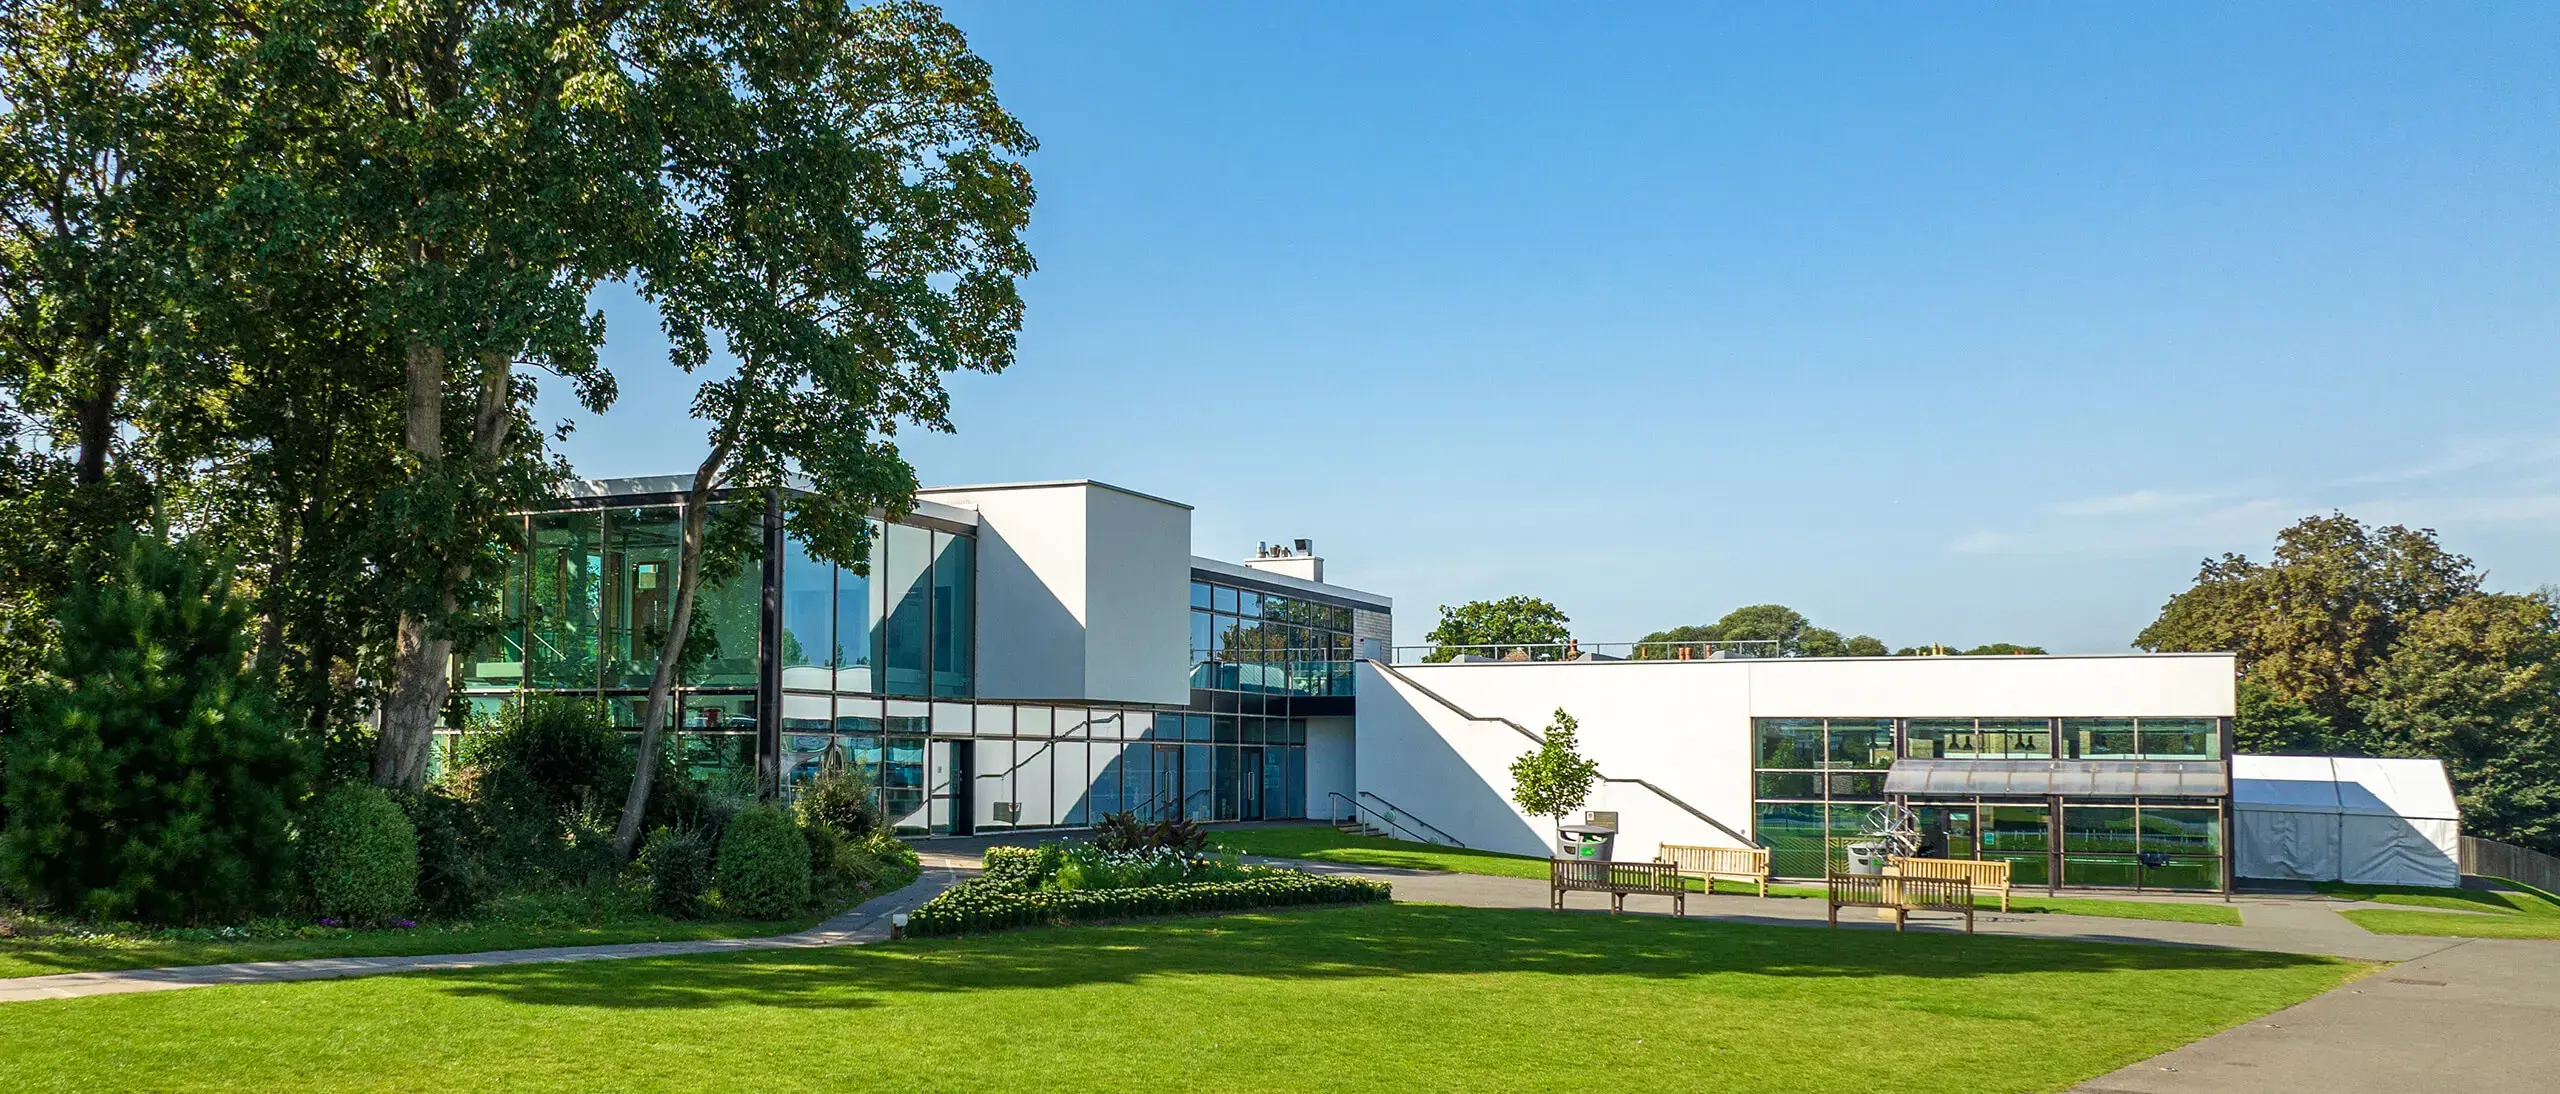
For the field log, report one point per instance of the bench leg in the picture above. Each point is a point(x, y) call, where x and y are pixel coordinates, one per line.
point(1764, 886)
point(2004, 900)
point(1680, 904)
point(1968, 921)
point(1898, 915)
point(1832, 912)
point(1617, 902)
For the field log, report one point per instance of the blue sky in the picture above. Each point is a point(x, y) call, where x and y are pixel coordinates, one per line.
point(1966, 326)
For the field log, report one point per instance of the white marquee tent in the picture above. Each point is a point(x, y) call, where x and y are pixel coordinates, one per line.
point(2357, 819)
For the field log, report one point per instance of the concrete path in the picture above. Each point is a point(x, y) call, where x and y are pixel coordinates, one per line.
point(2477, 1017)
point(867, 922)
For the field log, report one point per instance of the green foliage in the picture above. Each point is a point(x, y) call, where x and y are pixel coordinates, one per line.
point(1520, 626)
point(360, 854)
point(763, 868)
point(2379, 641)
point(1554, 779)
point(679, 861)
point(1010, 892)
point(559, 748)
point(1941, 649)
point(1123, 831)
point(147, 777)
point(839, 799)
point(1788, 631)
point(452, 880)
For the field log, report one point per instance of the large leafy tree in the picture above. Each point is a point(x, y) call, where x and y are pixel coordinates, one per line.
point(2379, 641)
point(148, 778)
point(1773, 629)
point(848, 200)
point(1522, 626)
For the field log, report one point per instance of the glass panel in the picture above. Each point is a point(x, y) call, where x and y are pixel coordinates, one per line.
point(2181, 739)
point(498, 661)
point(1195, 727)
point(951, 719)
point(1864, 784)
point(1252, 729)
point(1249, 604)
point(1199, 595)
point(1138, 780)
point(806, 723)
point(1196, 781)
point(2097, 738)
point(1223, 728)
point(1928, 738)
point(1223, 599)
point(727, 617)
point(1790, 742)
point(1106, 762)
point(1074, 782)
point(2187, 832)
point(1861, 743)
point(1230, 778)
point(1204, 635)
point(2109, 871)
point(2182, 872)
point(907, 610)
point(1070, 723)
point(954, 620)
point(1276, 804)
point(857, 715)
point(1112, 725)
point(1297, 797)
point(2099, 829)
point(808, 619)
point(908, 717)
point(1033, 721)
point(1794, 835)
point(941, 759)
point(902, 785)
point(854, 624)
point(720, 713)
point(992, 804)
point(566, 602)
point(2014, 738)
point(1790, 784)
point(2016, 828)
point(2023, 869)
point(1034, 778)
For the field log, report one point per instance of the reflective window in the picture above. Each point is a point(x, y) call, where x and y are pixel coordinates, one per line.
point(2181, 739)
point(808, 618)
point(1199, 595)
point(566, 599)
point(854, 623)
point(954, 619)
point(1034, 783)
point(991, 790)
point(2098, 738)
point(1106, 764)
point(902, 785)
point(728, 616)
point(498, 661)
point(1074, 782)
point(906, 610)
point(1790, 742)
point(1859, 743)
point(1249, 603)
point(1223, 599)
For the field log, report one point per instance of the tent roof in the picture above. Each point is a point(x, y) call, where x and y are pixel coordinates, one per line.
point(2355, 785)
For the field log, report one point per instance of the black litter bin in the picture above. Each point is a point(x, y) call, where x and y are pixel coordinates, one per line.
point(1585, 841)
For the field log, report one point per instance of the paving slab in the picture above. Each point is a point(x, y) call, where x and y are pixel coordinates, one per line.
point(866, 922)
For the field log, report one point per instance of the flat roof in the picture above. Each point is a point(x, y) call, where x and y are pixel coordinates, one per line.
point(1314, 590)
point(1048, 485)
point(661, 485)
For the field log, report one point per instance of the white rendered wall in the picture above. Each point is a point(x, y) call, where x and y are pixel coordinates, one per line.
point(1685, 727)
point(1031, 590)
point(1137, 642)
point(1083, 592)
point(1332, 764)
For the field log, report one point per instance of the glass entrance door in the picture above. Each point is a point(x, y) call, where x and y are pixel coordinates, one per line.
point(1250, 786)
point(1167, 804)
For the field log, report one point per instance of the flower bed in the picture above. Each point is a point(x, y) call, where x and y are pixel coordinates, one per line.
point(1016, 891)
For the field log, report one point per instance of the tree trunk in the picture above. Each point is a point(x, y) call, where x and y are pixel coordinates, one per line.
point(653, 717)
point(421, 655)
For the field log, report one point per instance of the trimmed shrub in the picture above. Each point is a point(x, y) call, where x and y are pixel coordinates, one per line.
point(452, 881)
point(148, 775)
point(839, 798)
point(680, 871)
point(361, 855)
point(764, 864)
point(993, 901)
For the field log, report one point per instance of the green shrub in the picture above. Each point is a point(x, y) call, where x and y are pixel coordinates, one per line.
point(148, 775)
point(545, 787)
point(452, 881)
point(764, 864)
point(840, 798)
point(564, 749)
point(894, 854)
point(680, 871)
point(361, 855)
point(988, 902)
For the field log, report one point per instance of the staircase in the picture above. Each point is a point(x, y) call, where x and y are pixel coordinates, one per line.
point(1358, 827)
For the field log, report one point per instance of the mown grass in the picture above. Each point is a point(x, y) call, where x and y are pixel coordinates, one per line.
point(2517, 911)
point(1390, 997)
point(1321, 844)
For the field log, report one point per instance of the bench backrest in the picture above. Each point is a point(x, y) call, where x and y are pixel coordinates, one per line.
point(1877, 891)
point(1746, 861)
point(1983, 874)
point(1584, 873)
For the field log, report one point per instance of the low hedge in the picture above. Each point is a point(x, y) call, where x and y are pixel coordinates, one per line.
point(1001, 898)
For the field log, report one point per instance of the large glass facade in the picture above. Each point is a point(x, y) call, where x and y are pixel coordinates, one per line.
point(1270, 644)
point(1816, 780)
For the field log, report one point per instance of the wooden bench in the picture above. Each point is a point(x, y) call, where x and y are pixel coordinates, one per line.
point(1582, 875)
point(1899, 895)
point(1749, 865)
point(1983, 874)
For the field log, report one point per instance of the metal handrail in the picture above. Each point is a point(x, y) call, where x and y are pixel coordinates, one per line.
point(1399, 810)
point(1359, 812)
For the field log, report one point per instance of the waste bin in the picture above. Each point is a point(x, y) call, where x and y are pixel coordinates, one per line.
point(1585, 841)
point(1866, 858)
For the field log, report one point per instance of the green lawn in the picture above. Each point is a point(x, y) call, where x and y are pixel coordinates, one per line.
point(1389, 997)
point(1330, 845)
point(2516, 912)
point(73, 953)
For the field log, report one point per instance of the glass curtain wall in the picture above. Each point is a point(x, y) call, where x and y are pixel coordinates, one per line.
point(1243, 640)
point(1818, 780)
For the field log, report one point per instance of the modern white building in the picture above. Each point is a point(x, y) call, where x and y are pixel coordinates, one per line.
point(1034, 655)
point(2104, 771)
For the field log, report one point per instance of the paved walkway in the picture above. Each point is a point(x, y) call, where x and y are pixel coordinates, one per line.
point(867, 922)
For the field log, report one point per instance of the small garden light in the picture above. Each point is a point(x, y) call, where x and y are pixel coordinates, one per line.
point(897, 926)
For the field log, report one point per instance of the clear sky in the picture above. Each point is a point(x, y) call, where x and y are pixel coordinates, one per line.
point(1938, 323)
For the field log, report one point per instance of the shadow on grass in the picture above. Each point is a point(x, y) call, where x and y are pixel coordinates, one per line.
point(1336, 944)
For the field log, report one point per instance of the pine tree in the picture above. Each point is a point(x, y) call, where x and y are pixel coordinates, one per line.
point(150, 779)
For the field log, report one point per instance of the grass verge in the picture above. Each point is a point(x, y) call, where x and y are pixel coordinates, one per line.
point(1389, 997)
point(1330, 845)
point(2517, 911)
